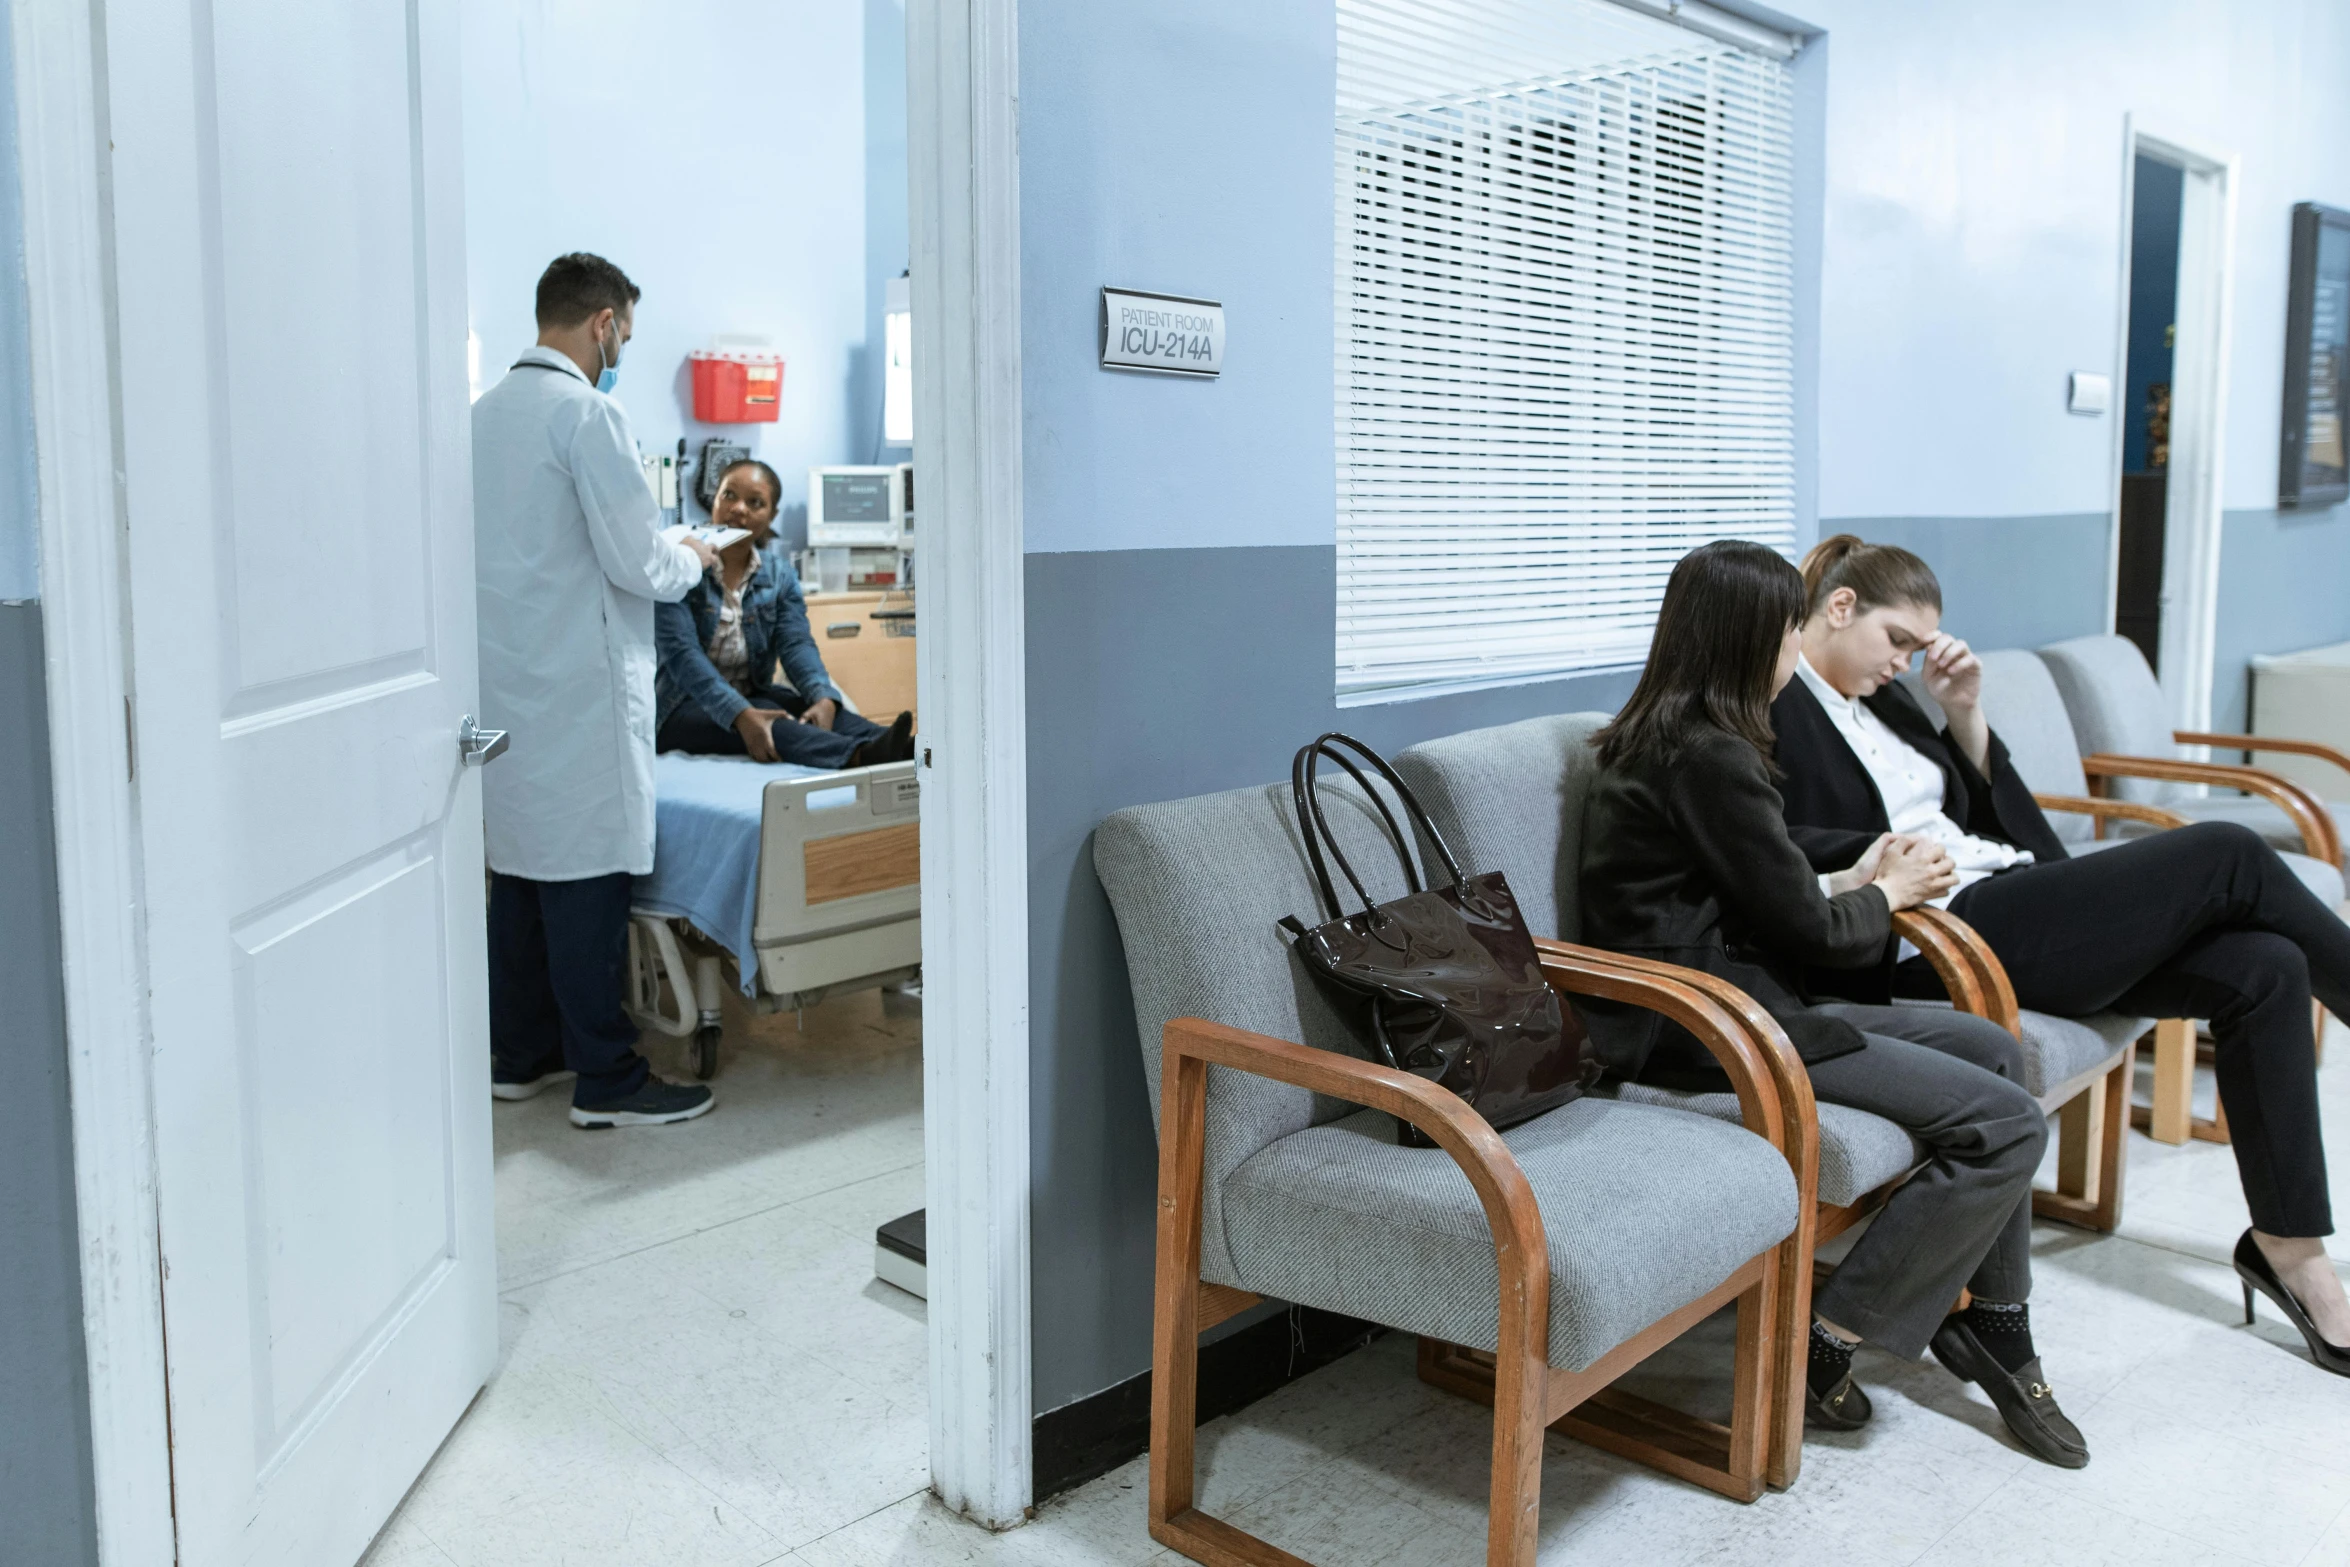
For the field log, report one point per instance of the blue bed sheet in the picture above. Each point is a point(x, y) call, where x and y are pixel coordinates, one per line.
point(706, 848)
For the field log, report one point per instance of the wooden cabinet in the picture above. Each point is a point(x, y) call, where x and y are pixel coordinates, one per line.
point(872, 660)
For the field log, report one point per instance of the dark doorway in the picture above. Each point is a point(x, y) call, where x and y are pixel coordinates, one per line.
point(2146, 402)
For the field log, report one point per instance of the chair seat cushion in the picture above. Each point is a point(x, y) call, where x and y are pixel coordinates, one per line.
point(2323, 880)
point(1644, 1209)
point(2061, 1052)
point(1859, 1151)
point(2058, 1050)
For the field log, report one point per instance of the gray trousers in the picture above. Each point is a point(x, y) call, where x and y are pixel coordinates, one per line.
point(1955, 1083)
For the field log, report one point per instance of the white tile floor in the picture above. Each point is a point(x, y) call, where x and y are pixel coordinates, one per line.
point(699, 1368)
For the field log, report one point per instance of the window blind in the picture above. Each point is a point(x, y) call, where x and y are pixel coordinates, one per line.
point(1565, 321)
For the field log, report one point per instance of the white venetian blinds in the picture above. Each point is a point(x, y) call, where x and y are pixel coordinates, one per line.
point(1565, 330)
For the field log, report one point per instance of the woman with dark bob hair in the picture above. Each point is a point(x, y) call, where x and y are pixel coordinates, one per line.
point(2201, 921)
point(1686, 859)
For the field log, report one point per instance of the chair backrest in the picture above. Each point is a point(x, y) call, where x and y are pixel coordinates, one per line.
point(1198, 886)
point(2020, 701)
point(1510, 799)
point(2116, 704)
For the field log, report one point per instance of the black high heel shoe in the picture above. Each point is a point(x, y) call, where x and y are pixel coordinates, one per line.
point(2253, 1269)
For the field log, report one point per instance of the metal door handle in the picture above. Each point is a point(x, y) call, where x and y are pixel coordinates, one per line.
point(478, 746)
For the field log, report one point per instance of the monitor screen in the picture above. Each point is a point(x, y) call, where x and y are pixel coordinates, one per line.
point(856, 497)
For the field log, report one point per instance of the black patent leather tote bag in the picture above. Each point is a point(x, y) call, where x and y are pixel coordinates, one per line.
point(1443, 981)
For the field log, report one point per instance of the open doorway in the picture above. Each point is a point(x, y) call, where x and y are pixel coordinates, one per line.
point(2177, 256)
point(725, 1315)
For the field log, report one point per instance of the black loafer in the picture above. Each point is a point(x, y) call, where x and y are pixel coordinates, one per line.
point(1843, 1407)
point(2024, 1399)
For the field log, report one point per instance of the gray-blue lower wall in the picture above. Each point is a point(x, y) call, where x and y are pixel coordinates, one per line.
point(2006, 581)
point(2284, 585)
point(1155, 674)
point(47, 1504)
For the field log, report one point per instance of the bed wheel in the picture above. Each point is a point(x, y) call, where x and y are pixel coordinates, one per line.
point(703, 1053)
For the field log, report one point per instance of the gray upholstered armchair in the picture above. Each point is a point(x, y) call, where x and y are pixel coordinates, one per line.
point(2121, 721)
point(2022, 701)
point(1538, 1264)
point(1511, 799)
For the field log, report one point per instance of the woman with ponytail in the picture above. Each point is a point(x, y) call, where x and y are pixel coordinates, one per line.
point(2200, 921)
point(1686, 859)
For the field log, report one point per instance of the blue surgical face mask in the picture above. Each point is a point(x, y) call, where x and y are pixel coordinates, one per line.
point(610, 376)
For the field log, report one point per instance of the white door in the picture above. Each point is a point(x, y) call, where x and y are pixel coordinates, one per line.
point(289, 280)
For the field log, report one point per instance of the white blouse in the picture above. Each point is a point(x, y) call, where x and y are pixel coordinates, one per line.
point(1910, 785)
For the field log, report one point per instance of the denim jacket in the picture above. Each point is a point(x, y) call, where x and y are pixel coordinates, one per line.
point(775, 625)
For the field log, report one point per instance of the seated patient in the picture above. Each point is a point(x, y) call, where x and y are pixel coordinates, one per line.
point(1686, 859)
point(717, 694)
point(2202, 921)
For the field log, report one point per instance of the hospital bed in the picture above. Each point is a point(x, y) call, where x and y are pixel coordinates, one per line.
point(806, 883)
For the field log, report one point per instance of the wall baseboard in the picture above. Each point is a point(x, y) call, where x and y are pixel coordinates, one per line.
point(1080, 1441)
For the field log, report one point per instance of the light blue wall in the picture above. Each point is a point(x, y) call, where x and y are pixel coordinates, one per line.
point(1184, 149)
point(725, 156)
point(1973, 256)
point(20, 523)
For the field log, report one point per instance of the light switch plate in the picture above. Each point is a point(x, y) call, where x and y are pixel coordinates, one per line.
point(2089, 393)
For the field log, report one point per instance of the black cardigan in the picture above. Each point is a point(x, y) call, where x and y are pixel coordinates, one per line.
point(1690, 863)
point(1834, 812)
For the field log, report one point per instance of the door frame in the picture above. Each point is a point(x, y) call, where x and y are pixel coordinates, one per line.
point(963, 86)
point(2193, 510)
point(962, 103)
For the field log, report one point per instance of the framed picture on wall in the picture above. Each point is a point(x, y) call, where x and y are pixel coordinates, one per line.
point(2313, 466)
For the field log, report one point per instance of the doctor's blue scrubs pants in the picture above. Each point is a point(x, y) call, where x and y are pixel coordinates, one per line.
point(558, 965)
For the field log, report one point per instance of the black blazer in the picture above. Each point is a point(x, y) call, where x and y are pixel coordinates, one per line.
point(1834, 811)
point(1690, 863)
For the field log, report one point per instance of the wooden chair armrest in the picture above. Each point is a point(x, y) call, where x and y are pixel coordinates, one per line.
point(2313, 821)
point(1458, 1129)
point(1969, 969)
point(2110, 810)
point(2258, 743)
point(1774, 1089)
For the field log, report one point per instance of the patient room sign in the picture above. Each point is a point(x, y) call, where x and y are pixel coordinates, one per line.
point(1161, 332)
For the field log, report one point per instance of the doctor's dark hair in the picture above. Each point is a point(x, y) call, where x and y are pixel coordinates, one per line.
point(576, 286)
point(1715, 656)
point(1878, 574)
point(774, 485)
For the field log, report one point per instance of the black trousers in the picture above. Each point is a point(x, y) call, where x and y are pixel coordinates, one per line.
point(691, 729)
point(558, 965)
point(2205, 922)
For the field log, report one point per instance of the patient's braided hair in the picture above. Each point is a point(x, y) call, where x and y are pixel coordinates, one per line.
point(1878, 574)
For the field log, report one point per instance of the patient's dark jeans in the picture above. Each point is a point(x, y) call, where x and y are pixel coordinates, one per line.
point(2204, 922)
point(691, 729)
point(558, 968)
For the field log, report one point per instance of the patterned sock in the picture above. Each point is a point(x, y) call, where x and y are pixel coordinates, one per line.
point(1831, 1358)
point(2005, 1328)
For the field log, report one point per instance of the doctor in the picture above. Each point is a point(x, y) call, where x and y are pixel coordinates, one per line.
point(569, 563)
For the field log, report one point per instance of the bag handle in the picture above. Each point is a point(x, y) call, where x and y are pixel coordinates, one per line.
point(1314, 827)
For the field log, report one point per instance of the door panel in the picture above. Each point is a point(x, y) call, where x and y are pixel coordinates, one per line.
point(290, 285)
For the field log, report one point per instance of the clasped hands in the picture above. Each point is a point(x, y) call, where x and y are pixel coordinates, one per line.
point(1908, 869)
point(757, 725)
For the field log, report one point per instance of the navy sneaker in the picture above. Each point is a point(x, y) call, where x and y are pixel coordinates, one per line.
point(526, 1087)
point(655, 1104)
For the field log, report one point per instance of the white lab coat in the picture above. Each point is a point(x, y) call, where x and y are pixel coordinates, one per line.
point(568, 562)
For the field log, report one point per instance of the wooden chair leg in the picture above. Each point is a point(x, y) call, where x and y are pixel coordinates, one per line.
point(2090, 1131)
point(1791, 1321)
point(1175, 1310)
point(1521, 1388)
point(2171, 1119)
point(2317, 1027)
